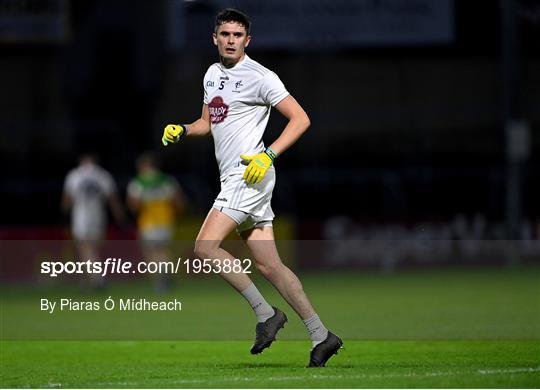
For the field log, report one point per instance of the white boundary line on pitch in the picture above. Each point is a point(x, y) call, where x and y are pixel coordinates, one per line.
point(319, 376)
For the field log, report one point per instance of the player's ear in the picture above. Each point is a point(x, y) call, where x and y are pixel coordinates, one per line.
point(248, 39)
point(214, 38)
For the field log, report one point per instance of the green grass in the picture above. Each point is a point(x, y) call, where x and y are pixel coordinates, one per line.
point(438, 328)
point(219, 364)
point(480, 303)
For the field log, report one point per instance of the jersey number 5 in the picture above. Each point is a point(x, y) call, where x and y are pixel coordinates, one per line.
point(221, 85)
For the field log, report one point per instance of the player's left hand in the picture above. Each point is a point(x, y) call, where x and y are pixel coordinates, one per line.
point(256, 167)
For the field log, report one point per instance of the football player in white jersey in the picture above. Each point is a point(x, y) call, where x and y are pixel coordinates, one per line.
point(88, 189)
point(239, 94)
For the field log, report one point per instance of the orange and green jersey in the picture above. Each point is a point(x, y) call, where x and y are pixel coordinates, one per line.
point(156, 193)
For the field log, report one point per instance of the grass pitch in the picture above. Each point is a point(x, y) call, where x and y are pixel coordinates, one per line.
point(223, 364)
point(441, 328)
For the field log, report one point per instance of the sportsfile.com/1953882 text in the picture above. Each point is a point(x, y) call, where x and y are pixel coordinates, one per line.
point(113, 265)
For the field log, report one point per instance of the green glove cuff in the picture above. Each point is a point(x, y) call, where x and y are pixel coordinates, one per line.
point(273, 155)
point(184, 133)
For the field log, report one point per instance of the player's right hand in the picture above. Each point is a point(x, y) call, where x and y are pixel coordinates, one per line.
point(173, 134)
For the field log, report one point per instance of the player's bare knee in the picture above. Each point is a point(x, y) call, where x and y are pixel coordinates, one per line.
point(269, 271)
point(263, 269)
point(204, 249)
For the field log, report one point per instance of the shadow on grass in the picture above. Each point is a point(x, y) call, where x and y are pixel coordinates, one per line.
point(256, 365)
point(287, 366)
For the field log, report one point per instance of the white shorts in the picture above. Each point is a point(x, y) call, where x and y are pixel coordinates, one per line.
point(156, 237)
point(88, 232)
point(248, 205)
point(159, 234)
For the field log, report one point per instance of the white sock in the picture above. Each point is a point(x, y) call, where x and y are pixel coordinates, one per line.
point(262, 309)
point(317, 332)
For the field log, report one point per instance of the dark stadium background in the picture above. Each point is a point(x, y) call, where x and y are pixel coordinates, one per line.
point(410, 209)
point(403, 133)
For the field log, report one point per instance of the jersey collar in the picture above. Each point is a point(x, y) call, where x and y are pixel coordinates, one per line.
point(236, 66)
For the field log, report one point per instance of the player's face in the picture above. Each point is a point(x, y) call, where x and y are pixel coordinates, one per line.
point(231, 39)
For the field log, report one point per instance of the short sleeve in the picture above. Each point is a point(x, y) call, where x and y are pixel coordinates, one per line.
point(207, 83)
point(176, 185)
point(272, 90)
point(205, 97)
point(69, 184)
point(108, 184)
point(134, 189)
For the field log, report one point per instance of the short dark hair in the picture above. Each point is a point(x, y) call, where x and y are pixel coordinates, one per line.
point(233, 15)
point(88, 157)
point(148, 158)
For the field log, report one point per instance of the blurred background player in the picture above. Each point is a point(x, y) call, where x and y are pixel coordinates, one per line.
point(157, 200)
point(88, 189)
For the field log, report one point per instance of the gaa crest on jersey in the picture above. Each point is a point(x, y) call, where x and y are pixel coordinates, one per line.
point(218, 110)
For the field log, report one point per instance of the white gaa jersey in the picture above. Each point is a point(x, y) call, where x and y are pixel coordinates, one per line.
point(239, 101)
point(89, 186)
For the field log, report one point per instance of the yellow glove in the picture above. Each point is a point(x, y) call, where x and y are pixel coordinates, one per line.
point(173, 134)
point(258, 165)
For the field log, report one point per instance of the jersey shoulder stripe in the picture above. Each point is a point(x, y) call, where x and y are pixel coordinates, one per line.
point(254, 65)
point(259, 71)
